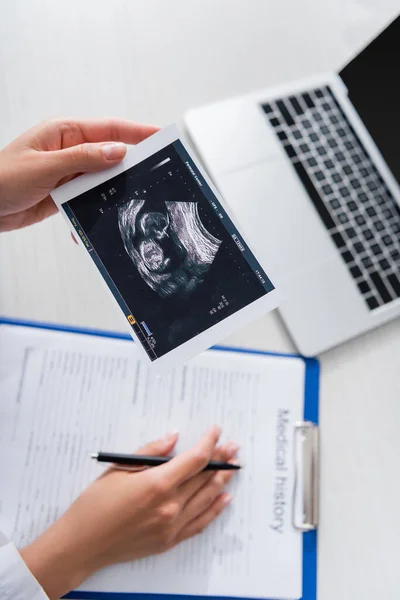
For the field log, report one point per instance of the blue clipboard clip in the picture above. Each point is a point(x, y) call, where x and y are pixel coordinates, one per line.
point(306, 478)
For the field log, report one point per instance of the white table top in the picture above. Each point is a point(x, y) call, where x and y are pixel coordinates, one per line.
point(150, 61)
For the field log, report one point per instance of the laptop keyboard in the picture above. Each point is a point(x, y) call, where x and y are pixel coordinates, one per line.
point(345, 187)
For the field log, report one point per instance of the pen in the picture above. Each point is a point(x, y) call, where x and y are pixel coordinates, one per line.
point(133, 460)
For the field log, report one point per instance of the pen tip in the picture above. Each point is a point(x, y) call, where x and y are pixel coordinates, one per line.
point(236, 464)
point(94, 455)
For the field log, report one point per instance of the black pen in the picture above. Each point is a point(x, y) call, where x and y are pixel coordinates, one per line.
point(140, 460)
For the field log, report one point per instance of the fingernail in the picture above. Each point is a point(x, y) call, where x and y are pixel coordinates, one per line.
point(114, 150)
point(171, 436)
point(217, 430)
point(231, 449)
point(227, 500)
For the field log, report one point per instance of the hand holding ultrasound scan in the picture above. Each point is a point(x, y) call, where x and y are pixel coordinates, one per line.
point(166, 247)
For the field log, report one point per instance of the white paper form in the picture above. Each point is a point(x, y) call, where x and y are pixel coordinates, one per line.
point(65, 395)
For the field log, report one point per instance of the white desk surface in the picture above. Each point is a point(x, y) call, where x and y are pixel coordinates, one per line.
point(150, 61)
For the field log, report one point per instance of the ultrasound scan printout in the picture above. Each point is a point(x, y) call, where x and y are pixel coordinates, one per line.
point(167, 249)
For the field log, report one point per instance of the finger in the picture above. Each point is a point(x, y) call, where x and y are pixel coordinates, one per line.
point(34, 214)
point(203, 520)
point(188, 489)
point(76, 131)
point(193, 461)
point(83, 158)
point(205, 496)
point(160, 447)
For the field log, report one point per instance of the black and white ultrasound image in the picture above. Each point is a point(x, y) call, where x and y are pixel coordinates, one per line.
point(166, 249)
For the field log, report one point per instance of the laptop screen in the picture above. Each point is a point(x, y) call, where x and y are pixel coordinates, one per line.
point(373, 81)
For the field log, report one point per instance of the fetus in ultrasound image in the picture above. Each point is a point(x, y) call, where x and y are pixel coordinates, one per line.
point(168, 244)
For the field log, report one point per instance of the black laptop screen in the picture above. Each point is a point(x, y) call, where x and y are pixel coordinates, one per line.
point(373, 81)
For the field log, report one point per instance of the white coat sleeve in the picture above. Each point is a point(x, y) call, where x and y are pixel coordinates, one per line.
point(16, 581)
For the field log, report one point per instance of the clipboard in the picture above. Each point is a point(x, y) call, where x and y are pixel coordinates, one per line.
point(306, 461)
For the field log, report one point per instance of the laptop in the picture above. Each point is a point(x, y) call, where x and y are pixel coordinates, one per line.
point(312, 171)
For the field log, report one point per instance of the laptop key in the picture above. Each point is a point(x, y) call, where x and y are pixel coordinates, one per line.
point(336, 177)
point(376, 249)
point(387, 240)
point(329, 164)
point(267, 108)
point(368, 234)
point(384, 264)
point(396, 228)
point(395, 254)
point(285, 113)
point(335, 203)
point(347, 169)
point(296, 134)
point(352, 206)
point(356, 272)
point(360, 220)
point(372, 185)
point(380, 286)
point(351, 232)
point(314, 196)
point(314, 137)
point(327, 189)
point(363, 287)
point(379, 226)
point(347, 256)
point(395, 283)
point(367, 262)
point(343, 218)
point(290, 151)
point(296, 105)
point(319, 175)
point(371, 212)
point(321, 150)
point(344, 191)
point(372, 302)
point(339, 240)
point(308, 100)
point(358, 247)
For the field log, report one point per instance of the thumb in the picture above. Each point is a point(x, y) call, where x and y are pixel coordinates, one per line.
point(85, 158)
point(160, 447)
